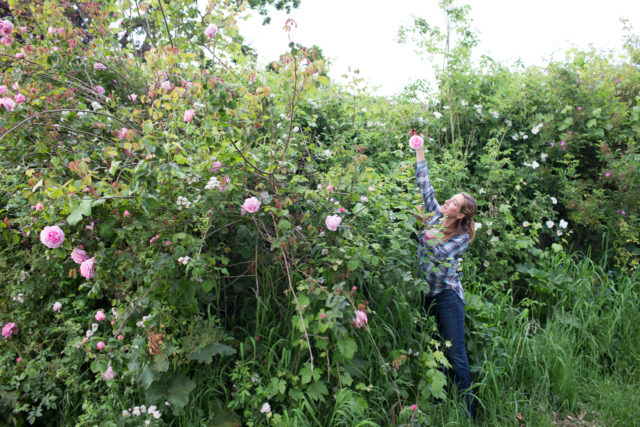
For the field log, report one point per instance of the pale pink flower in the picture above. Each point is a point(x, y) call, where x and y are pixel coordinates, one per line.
point(51, 31)
point(8, 103)
point(3, 90)
point(211, 31)
point(133, 97)
point(251, 205)
point(122, 133)
point(99, 89)
point(24, 29)
point(215, 166)
point(188, 115)
point(329, 187)
point(52, 237)
point(109, 374)
point(57, 306)
point(19, 359)
point(6, 41)
point(166, 85)
point(361, 319)
point(99, 66)
point(224, 183)
point(416, 142)
point(19, 55)
point(79, 255)
point(86, 268)
point(38, 206)
point(6, 27)
point(9, 329)
point(100, 345)
point(332, 222)
point(19, 98)
point(127, 214)
point(120, 337)
point(607, 174)
point(414, 407)
point(100, 316)
point(61, 31)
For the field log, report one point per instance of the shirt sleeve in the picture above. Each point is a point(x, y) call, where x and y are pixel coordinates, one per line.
point(429, 201)
point(448, 250)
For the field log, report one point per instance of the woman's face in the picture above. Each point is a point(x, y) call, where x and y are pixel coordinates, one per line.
point(452, 207)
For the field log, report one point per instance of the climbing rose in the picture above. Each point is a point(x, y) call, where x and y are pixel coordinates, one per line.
point(211, 31)
point(100, 316)
point(19, 98)
point(57, 306)
point(52, 237)
point(6, 27)
point(99, 66)
point(332, 222)
point(79, 255)
point(188, 115)
point(109, 374)
point(133, 97)
point(416, 142)
point(360, 320)
point(8, 103)
point(251, 205)
point(38, 206)
point(99, 89)
point(329, 187)
point(9, 329)
point(100, 345)
point(3, 90)
point(215, 166)
point(86, 268)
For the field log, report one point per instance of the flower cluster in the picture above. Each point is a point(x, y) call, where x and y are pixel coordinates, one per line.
point(184, 260)
point(136, 411)
point(183, 202)
point(212, 184)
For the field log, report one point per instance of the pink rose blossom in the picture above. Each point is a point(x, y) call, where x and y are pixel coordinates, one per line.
point(61, 31)
point(19, 360)
point(167, 243)
point(224, 183)
point(79, 255)
point(85, 339)
point(52, 237)
point(23, 29)
point(100, 345)
point(38, 206)
point(57, 306)
point(9, 329)
point(552, 144)
point(6, 27)
point(99, 89)
point(8, 103)
point(607, 174)
point(215, 166)
point(86, 268)
point(211, 31)
point(341, 210)
point(416, 142)
point(100, 316)
point(120, 337)
point(122, 133)
point(329, 187)
point(3, 90)
point(251, 205)
point(322, 315)
point(332, 222)
point(19, 98)
point(19, 55)
point(99, 66)
point(361, 319)
point(51, 31)
point(133, 97)
point(414, 407)
point(127, 214)
point(6, 41)
point(188, 115)
point(109, 374)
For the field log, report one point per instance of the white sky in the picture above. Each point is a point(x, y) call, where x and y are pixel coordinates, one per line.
point(362, 34)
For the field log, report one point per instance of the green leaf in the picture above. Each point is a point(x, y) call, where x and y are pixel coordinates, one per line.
point(178, 390)
point(317, 390)
point(146, 377)
point(347, 347)
point(83, 209)
point(206, 354)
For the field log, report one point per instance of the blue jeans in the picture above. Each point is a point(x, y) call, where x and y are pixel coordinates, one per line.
point(448, 309)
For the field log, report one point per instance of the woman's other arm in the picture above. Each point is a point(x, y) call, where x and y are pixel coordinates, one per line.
point(424, 183)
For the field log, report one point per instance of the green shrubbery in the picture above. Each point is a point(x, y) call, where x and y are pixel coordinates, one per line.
point(214, 313)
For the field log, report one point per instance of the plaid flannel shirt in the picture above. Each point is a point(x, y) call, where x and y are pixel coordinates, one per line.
point(443, 256)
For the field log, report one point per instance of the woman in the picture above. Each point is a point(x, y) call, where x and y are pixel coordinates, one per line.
point(439, 259)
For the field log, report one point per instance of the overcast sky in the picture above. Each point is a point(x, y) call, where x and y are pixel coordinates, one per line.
point(362, 34)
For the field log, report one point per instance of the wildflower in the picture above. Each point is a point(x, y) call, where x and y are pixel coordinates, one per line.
point(19, 298)
point(437, 115)
point(360, 319)
point(580, 108)
point(526, 224)
point(494, 239)
point(100, 345)
point(188, 115)
point(559, 232)
point(341, 210)
point(100, 316)
point(132, 97)
point(125, 413)
point(99, 89)
point(549, 224)
point(211, 31)
point(52, 237)
point(478, 226)
point(86, 268)
point(166, 85)
point(57, 306)
point(329, 187)
point(8, 103)
point(212, 184)
point(184, 260)
point(554, 200)
point(9, 329)
point(96, 105)
point(543, 156)
point(485, 263)
point(332, 222)
point(99, 66)
point(464, 103)
point(563, 223)
point(416, 142)
point(494, 114)
point(266, 408)
point(109, 374)
point(19, 98)
point(215, 166)
point(607, 174)
point(537, 128)
point(251, 205)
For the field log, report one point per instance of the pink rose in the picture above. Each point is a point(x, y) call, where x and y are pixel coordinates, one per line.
point(416, 142)
point(61, 31)
point(6, 27)
point(57, 306)
point(332, 222)
point(329, 187)
point(126, 214)
point(38, 206)
point(79, 255)
point(122, 133)
point(86, 268)
point(188, 115)
point(19, 55)
point(215, 166)
point(361, 319)
point(109, 374)
point(100, 316)
point(19, 98)
point(133, 97)
point(99, 66)
point(6, 41)
point(99, 89)
point(341, 210)
point(9, 329)
point(51, 31)
point(120, 337)
point(8, 103)
point(3, 90)
point(414, 407)
point(211, 31)
point(251, 205)
point(52, 237)
point(19, 360)
point(100, 345)
point(322, 315)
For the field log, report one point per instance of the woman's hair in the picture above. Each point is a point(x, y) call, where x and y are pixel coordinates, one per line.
point(464, 225)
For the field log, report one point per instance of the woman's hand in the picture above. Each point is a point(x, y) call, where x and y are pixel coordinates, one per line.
point(419, 215)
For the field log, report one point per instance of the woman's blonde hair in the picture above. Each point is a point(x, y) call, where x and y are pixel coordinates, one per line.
point(466, 224)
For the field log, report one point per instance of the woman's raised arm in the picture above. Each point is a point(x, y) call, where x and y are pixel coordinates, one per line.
point(424, 183)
